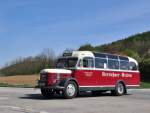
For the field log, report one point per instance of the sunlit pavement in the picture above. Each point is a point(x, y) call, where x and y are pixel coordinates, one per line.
point(24, 100)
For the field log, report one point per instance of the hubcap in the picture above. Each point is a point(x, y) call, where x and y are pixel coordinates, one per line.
point(120, 88)
point(71, 89)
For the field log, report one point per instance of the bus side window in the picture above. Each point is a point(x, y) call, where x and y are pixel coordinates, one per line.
point(133, 66)
point(124, 65)
point(113, 64)
point(100, 63)
point(88, 63)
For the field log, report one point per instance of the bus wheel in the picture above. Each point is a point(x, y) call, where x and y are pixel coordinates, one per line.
point(70, 90)
point(47, 92)
point(119, 89)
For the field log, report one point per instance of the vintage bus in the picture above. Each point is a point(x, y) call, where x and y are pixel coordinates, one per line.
point(90, 71)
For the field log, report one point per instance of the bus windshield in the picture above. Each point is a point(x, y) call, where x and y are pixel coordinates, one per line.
point(66, 62)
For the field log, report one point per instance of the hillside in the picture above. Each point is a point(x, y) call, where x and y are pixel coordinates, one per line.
point(137, 46)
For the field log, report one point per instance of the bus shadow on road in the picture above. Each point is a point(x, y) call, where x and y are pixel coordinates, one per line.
point(40, 97)
point(59, 97)
point(89, 94)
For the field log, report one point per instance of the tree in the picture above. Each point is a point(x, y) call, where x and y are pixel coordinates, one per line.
point(87, 47)
point(145, 69)
point(132, 54)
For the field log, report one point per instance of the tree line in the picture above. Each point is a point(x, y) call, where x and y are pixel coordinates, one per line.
point(30, 65)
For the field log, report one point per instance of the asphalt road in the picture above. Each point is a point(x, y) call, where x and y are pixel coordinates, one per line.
point(22, 100)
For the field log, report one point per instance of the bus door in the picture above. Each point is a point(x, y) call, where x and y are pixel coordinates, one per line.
point(86, 75)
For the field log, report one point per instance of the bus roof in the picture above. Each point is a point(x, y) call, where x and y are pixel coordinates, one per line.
point(82, 54)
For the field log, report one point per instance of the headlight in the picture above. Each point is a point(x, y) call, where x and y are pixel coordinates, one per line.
point(43, 77)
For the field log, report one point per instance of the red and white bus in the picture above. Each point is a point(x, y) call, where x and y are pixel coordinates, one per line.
point(90, 71)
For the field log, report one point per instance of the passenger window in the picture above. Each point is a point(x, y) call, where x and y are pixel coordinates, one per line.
point(113, 64)
point(133, 66)
point(88, 63)
point(112, 57)
point(100, 63)
point(123, 58)
point(124, 65)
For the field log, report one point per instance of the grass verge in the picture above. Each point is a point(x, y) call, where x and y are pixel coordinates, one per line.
point(145, 85)
point(16, 85)
point(23, 81)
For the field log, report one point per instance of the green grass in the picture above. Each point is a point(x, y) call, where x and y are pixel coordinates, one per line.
point(17, 85)
point(145, 85)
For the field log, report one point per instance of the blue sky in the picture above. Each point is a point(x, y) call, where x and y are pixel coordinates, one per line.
point(29, 26)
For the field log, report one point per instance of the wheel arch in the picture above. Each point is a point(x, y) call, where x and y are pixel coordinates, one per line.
point(64, 82)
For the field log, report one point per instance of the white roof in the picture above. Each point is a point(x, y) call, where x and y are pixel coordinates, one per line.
point(81, 54)
point(132, 60)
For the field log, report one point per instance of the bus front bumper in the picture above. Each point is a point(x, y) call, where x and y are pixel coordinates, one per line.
point(42, 84)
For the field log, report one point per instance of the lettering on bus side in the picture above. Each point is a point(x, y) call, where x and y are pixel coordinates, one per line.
point(88, 74)
point(113, 74)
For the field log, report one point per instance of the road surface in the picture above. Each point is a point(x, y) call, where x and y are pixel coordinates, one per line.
point(28, 100)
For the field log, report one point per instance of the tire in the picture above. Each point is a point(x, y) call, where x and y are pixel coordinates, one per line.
point(47, 93)
point(70, 90)
point(119, 89)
